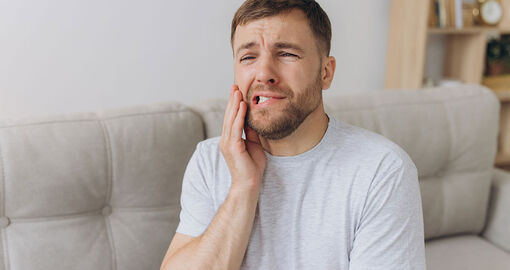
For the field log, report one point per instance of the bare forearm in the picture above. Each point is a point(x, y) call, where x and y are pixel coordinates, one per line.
point(223, 244)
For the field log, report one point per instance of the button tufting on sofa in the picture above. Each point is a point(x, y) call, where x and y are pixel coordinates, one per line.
point(4, 222)
point(107, 210)
point(62, 176)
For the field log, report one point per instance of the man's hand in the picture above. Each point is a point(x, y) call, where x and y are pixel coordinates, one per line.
point(245, 158)
point(223, 245)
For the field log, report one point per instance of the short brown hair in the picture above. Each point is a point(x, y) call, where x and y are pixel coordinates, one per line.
point(318, 20)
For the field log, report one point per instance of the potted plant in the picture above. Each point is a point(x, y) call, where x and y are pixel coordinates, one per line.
point(495, 65)
point(505, 44)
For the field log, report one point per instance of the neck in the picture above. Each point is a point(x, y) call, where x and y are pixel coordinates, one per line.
point(304, 138)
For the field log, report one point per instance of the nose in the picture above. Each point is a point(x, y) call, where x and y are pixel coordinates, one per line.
point(267, 71)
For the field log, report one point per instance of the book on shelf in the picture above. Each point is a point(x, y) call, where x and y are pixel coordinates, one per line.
point(446, 13)
point(459, 13)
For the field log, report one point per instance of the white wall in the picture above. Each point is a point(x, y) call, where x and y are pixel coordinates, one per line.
point(81, 55)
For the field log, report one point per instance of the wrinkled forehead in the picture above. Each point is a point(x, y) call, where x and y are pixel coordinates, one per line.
point(289, 27)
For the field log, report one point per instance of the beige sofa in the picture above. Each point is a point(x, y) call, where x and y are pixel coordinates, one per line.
point(101, 190)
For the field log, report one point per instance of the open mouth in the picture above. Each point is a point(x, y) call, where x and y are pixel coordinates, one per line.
point(266, 100)
point(261, 99)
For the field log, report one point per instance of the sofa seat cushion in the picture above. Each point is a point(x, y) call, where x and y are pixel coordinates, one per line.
point(465, 252)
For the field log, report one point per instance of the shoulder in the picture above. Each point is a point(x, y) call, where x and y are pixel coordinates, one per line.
point(207, 164)
point(209, 155)
point(369, 147)
point(210, 145)
point(365, 141)
point(204, 154)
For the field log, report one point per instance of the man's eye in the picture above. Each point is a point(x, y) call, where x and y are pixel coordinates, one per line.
point(288, 54)
point(246, 58)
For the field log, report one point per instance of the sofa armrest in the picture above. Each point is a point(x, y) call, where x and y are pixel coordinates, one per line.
point(497, 229)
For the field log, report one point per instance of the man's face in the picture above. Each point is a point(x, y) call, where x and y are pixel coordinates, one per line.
point(277, 67)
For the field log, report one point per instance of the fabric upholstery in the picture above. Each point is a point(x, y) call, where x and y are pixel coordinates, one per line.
point(450, 133)
point(212, 112)
point(498, 220)
point(466, 252)
point(93, 191)
point(101, 190)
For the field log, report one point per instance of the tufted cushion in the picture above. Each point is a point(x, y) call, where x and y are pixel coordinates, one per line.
point(450, 133)
point(93, 191)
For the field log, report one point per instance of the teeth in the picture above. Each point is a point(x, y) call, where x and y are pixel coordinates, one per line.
point(263, 99)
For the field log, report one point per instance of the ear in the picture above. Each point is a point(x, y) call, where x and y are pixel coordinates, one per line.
point(328, 71)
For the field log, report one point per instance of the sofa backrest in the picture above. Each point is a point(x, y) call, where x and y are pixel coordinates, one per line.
point(93, 191)
point(450, 134)
point(102, 190)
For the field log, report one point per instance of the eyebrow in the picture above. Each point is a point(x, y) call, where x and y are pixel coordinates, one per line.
point(277, 45)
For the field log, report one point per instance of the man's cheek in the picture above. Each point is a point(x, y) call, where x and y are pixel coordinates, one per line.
point(245, 97)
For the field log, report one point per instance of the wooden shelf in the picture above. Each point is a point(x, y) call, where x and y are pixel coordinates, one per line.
point(500, 85)
point(467, 30)
point(407, 39)
point(464, 57)
point(499, 82)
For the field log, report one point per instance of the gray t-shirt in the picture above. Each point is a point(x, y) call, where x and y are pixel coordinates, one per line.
point(351, 202)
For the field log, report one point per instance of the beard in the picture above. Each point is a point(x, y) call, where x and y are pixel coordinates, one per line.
point(276, 125)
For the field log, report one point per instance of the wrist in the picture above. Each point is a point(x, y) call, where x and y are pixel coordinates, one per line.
point(250, 191)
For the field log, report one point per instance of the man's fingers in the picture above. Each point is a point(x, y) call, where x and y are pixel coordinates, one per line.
point(231, 111)
point(235, 107)
point(227, 109)
point(237, 127)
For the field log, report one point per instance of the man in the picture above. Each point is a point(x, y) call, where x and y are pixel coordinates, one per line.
point(303, 190)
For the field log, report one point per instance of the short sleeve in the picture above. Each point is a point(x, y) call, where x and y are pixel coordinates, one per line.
point(197, 210)
point(390, 234)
